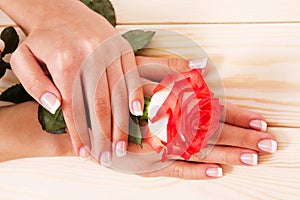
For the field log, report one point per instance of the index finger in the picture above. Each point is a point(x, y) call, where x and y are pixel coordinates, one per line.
point(244, 118)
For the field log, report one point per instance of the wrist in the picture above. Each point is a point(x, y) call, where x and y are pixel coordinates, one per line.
point(28, 14)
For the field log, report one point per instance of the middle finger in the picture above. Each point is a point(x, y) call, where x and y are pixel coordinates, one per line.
point(247, 138)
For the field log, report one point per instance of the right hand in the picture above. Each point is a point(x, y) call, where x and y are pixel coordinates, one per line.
point(242, 138)
point(60, 36)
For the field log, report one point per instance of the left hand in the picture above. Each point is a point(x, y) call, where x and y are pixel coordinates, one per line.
point(242, 138)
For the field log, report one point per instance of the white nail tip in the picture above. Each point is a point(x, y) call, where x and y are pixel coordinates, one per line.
point(83, 153)
point(264, 126)
point(138, 113)
point(55, 107)
point(198, 64)
point(268, 145)
point(249, 159)
point(274, 146)
point(105, 159)
point(50, 102)
point(214, 172)
point(120, 149)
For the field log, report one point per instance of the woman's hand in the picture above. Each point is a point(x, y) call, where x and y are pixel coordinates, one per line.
point(242, 138)
point(60, 36)
point(243, 135)
point(238, 145)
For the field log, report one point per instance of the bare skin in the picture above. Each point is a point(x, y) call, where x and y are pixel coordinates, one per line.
point(21, 136)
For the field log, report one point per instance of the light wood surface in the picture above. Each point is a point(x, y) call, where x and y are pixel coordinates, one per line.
point(255, 46)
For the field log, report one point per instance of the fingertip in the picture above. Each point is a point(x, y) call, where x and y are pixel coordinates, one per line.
point(136, 108)
point(34, 80)
point(105, 159)
point(214, 172)
point(84, 152)
point(121, 149)
point(258, 124)
point(50, 102)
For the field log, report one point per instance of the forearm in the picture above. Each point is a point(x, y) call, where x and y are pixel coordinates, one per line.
point(21, 135)
point(30, 13)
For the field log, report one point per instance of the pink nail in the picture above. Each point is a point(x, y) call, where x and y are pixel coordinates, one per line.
point(249, 158)
point(121, 149)
point(259, 125)
point(214, 172)
point(105, 160)
point(268, 145)
point(84, 152)
point(50, 102)
point(137, 108)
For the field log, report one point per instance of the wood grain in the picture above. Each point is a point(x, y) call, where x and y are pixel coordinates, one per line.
point(258, 63)
point(276, 177)
point(202, 11)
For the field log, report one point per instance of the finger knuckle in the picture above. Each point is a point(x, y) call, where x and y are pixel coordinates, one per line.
point(119, 96)
point(177, 171)
point(32, 86)
point(229, 158)
point(65, 60)
point(176, 63)
point(102, 106)
point(236, 118)
point(245, 139)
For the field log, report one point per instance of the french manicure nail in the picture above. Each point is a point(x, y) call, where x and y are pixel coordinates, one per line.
point(121, 149)
point(268, 145)
point(258, 125)
point(249, 158)
point(137, 108)
point(50, 102)
point(214, 172)
point(198, 64)
point(105, 160)
point(84, 152)
point(2, 45)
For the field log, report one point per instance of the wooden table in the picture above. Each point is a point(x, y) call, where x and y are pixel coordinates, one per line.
point(255, 46)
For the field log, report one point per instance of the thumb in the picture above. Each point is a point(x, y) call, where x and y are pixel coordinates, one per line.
point(36, 83)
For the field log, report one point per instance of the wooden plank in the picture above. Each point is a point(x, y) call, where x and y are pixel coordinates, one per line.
point(276, 177)
point(202, 11)
point(258, 64)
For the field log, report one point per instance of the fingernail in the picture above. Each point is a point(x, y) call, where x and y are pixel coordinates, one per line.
point(121, 149)
point(268, 145)
point(50, 102)
point(249, 158)
point(258, 125)
point(137, 108)
point(214, 172)
point(84, 153)
point(2, 45)
point(105, 160)
point(198, 64)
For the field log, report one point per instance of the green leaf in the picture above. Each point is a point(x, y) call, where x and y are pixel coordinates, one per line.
point(2, 69)
point(54, 124)
point(11, 39)
point(144, 117)
point(16, 94)
point(104, 8)
point(5, 64)
point(138, 39)
point(135, 134)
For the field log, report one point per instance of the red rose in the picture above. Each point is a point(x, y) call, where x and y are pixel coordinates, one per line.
point(183, 115)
